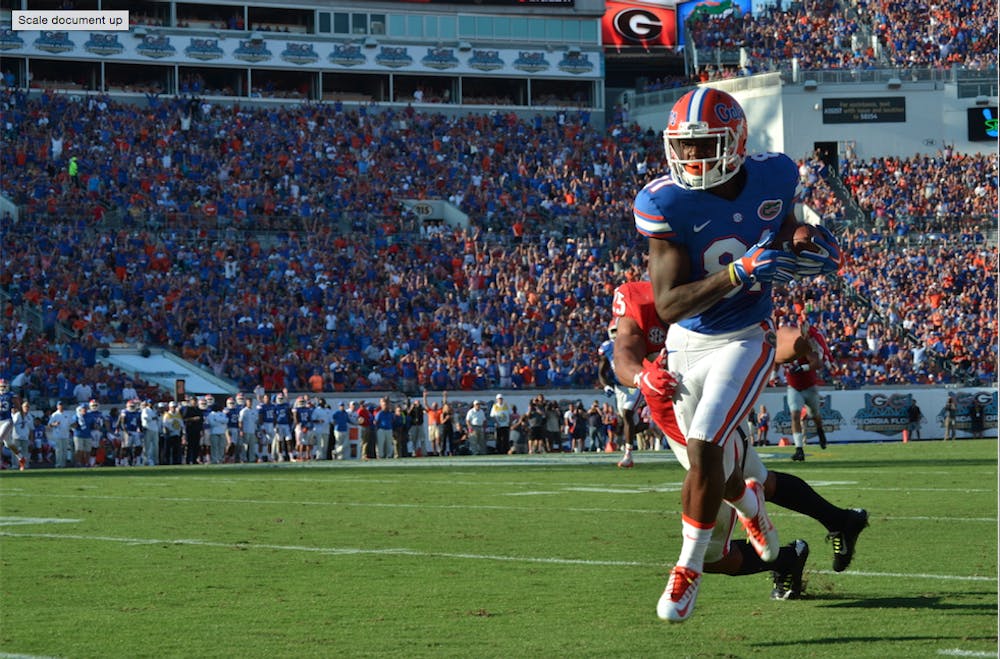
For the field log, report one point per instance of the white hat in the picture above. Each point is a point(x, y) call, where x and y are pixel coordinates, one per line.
point(499, 396)
point(476, 402)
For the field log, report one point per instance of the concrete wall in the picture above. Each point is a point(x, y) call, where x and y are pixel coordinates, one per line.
point(789, 119)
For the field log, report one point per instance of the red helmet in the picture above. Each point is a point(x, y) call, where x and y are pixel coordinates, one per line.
point(711, 115)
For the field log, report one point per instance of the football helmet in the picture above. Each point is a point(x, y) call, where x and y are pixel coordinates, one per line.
point(132, 405)
point(715, 117)
point(94, 405)
point(230, 402)
point(203, 403)
point(280, 398)
point(4, 386)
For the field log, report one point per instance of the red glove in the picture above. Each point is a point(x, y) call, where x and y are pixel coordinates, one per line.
point(655, 381)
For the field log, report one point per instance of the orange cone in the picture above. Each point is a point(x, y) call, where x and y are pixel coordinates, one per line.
point(906, 435)
point(784, 441)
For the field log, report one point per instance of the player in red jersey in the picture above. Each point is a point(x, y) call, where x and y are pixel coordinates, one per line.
point(637, 341)
point(805, 355)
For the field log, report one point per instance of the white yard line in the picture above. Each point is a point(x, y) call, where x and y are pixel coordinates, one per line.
point(402, 551)
point(456, 506)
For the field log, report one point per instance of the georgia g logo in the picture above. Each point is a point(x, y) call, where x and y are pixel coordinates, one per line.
point(638, 25)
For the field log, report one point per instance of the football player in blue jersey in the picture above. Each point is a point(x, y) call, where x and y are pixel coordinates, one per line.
point(129, 424)
point(7, 407)
point(282, 447)
point(710, 225)
point(266, 417)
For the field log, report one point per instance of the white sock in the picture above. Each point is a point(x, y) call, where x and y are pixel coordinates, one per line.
point(696, 537)
point(747, 504)
point(799, 438)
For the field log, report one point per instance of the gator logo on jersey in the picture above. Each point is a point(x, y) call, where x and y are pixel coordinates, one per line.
point(769, 209)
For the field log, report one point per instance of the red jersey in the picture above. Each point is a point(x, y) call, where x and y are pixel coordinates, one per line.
point(635, 300)
point(800, 380)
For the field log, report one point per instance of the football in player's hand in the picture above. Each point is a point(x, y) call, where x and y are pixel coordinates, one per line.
point(795, 238)
point(802, 240)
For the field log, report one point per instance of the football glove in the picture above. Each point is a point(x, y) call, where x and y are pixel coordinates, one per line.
point(761, 264)
point(827, 260)
point(655, 381)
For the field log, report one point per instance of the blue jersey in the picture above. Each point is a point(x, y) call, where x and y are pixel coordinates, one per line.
point(130, 421)
point(607, 351)
point(80, 427)
point(265, 412)
point(6, 406)
point(283, 414)
point(95, 420)
point(304, 415)
point(232, 417)
point(715, 232)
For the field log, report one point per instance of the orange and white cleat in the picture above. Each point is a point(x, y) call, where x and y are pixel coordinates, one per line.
point(626, 462)
point(760, 530)
point(22, 464)
point(677, 601)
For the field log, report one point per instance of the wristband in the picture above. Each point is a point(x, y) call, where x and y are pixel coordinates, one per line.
point(733, 279)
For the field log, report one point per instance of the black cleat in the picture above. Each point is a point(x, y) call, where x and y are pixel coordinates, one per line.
point(844, 540)
point(788, 585)
point(822, 438)
point(799, 455)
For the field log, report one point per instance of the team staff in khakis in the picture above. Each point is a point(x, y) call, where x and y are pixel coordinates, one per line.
point(60, 423)
point(950, 410)
point(151, 426)
point(710, 225)
point(475, 420)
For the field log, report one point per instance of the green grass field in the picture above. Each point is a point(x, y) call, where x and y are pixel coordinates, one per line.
point(558, 556)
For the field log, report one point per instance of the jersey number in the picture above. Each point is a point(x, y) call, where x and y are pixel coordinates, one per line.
point(722, 252)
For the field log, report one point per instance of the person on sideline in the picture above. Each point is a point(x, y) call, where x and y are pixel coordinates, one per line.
point(500, 413)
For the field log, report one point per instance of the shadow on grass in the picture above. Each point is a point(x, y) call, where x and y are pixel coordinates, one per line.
point(936, 602)
point(834, 640)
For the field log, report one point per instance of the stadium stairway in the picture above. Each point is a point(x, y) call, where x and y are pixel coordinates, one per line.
point(167, 370)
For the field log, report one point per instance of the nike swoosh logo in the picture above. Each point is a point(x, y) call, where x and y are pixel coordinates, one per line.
point(699, 227)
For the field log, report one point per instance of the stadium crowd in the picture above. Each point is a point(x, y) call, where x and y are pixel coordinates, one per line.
point(323, 282)
point(832, 35)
